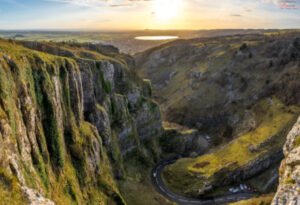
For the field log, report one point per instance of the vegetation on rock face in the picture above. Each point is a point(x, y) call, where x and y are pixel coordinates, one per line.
point(105, 85)
point(10, 192)
point(56, 102)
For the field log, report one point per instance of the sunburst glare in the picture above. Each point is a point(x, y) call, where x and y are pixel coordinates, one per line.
point(167, 9)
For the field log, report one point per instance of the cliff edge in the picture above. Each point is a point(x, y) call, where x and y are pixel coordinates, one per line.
point(288, 191)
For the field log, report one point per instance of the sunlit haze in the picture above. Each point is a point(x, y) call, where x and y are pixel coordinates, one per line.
point(165, 10)
point(145, 14)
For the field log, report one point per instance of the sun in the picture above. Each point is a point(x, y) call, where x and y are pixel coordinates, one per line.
point(166, 9)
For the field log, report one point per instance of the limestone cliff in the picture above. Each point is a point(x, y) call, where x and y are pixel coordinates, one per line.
point(70, 116)
point(288, 192)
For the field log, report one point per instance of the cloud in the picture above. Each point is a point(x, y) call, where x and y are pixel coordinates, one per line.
point(236, 15)
point(110, 3)
point(246, 9)
point(270, 1)
point(120, 5)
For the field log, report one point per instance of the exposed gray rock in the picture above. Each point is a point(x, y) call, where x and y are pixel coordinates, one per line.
point(35, 198)
point(108, 70)
point(148, 119)
point(100, 118)
point(76, 90)
point(288, 192)
point(186, 142)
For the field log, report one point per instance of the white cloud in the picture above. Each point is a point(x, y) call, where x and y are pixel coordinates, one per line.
point(93, 3)
point(270, 1)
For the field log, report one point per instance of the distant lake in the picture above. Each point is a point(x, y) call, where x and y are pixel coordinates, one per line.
point(156, 38)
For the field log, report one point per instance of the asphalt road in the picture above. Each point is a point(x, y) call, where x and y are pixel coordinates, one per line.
point(166, 192)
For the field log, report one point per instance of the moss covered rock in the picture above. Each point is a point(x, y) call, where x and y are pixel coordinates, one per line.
point(66, 125)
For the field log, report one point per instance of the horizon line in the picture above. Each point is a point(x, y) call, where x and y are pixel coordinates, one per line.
point(132, 30)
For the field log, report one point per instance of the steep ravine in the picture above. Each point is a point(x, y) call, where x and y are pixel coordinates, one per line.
point(240, 91)
point(72, 119)
point(78, 126)
point(209, 84)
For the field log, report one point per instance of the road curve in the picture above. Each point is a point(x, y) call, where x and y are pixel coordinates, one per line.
point(166, 192)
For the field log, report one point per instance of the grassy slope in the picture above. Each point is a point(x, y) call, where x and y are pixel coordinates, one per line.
point(264, 200)
point(137, 192)
point(178, 90)
point(214, 81)
point(272, 124)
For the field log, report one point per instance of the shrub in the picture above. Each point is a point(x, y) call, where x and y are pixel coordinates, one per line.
point(244, 47)
point(297, 141)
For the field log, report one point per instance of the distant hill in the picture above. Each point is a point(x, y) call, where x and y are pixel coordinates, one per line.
point(210, 83)
point(124, 40)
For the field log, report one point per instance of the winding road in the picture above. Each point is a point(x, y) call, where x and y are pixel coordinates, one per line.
point(181, 200)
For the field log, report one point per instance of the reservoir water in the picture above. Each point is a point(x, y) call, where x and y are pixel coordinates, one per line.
point(156, 38)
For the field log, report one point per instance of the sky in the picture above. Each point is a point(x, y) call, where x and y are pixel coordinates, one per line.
point(146, 14)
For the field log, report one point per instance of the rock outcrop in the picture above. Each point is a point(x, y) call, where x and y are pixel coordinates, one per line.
point(288, 192)
point(180, 141)
point(36, 198)
point(70, 116)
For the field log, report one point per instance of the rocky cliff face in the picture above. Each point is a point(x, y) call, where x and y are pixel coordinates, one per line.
point(288, 192)
point(70, 116)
